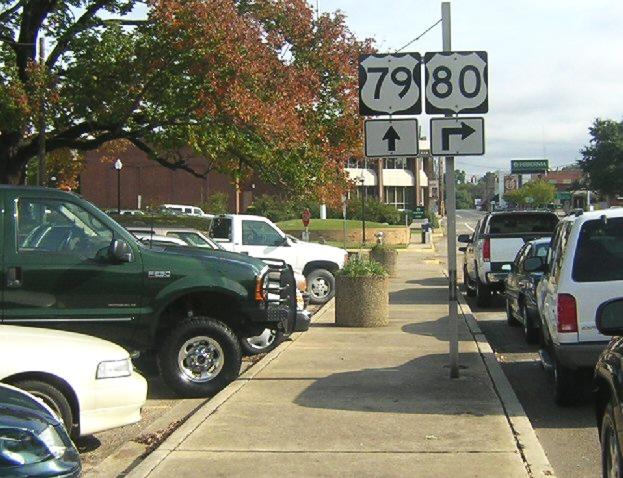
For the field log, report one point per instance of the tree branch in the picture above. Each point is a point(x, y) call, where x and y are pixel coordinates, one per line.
point(180, 164)
point(4, 16)
point(33, 14)
point(80, 25)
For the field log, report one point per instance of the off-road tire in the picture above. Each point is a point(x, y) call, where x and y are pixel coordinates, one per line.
point(328, 278)
point(174, 375)
point(54, 398)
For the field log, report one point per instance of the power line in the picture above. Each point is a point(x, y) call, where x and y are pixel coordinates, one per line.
point(418, 37)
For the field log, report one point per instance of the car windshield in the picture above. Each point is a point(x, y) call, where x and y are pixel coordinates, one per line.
point(599, 253)
point(522, 223)
point(221, 228)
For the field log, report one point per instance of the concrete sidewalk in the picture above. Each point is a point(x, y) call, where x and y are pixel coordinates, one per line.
point(362, 402)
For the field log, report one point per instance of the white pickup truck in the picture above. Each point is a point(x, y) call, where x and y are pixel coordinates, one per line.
point(491, 250)
point(259, 237)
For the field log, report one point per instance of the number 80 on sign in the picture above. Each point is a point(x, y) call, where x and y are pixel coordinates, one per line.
point(456, 82)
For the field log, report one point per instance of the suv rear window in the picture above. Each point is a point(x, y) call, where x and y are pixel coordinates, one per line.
point(599, 253)
point(221, 228)
point(522, 223)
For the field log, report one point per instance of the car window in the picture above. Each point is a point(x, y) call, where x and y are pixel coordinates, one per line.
point(49, 225)
point(556, 255)
point(599, 253)
point(522, 223)
point(259, 233)
point(191, 238)
point(540, 250)
point(221, 228)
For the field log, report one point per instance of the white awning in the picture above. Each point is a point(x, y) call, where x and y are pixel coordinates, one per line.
point(369, 176)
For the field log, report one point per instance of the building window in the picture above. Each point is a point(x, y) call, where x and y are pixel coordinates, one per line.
point(396, 163)
point(403, 197)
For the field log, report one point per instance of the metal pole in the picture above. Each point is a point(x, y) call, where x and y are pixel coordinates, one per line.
point(119, 191)
point(41, 178)
point(451, 224)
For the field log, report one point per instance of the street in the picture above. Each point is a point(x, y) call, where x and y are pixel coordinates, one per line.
point(568, 434)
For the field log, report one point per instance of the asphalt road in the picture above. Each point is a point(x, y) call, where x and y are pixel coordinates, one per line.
point(568, 434)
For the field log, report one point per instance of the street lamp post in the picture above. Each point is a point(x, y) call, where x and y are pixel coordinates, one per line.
point(118, 166)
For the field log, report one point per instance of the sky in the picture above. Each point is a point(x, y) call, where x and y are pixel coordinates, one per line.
point(554, 66)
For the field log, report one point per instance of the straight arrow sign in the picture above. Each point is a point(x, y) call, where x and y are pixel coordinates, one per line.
point(395, 137)
point(391, 136)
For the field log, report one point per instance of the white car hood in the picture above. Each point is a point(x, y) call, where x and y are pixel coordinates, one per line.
point(57, 342)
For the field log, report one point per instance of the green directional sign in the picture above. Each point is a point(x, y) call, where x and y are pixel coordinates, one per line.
point(529, 166)
point(419, 212)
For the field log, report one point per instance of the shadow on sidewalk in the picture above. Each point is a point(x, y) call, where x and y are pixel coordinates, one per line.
point(418, 295)
point(436, 328)
point(420, 386)
point(430, 282)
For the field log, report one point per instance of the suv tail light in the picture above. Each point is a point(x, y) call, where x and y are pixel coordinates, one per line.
point(567, 313)
point(486, 250)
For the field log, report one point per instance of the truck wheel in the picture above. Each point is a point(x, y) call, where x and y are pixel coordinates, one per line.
point(611, 459)
point(510, 319)
point(483, 294)
point(53, 398)
point(263, 343)
point(200, 357)
point(530, 333)
point(566, 384)
point(469, 290)
point(321, 286)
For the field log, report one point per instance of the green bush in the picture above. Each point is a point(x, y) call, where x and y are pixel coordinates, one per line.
point(217, 203)
point(433, 220)
point(362, 268)
point(376, 211)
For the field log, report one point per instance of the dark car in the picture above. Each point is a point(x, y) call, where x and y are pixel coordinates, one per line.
point(520, 290)
point(608, 380)
point(33, 441)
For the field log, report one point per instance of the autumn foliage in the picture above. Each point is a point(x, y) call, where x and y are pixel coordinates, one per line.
point(256, 87)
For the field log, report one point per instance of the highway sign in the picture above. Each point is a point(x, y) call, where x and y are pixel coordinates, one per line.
point(391, 138)
point(457, 136)
point(456, 82)
point(529, 166)
point(390, 84)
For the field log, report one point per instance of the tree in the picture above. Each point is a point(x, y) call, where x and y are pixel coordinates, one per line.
point(465, 195)
point(254, 87)
point(534, 194)
point(602, 159)
point(459, 176)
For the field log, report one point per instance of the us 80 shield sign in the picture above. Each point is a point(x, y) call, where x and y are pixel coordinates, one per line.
point(456, 82)
point(390, 84)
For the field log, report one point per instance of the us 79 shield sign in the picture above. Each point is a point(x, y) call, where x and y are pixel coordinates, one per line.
point(456, 82)
point(390, 84)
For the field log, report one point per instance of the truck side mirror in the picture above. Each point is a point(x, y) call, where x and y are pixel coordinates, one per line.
point(464, 238)
point(120, 251)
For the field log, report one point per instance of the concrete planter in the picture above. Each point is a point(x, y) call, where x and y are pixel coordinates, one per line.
point(387, 258)
point(361, 301)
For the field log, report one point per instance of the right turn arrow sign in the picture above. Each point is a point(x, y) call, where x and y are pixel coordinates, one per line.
point(465, 131)
point(457, 136)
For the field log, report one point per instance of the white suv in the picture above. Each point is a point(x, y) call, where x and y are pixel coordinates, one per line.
point(584, 269)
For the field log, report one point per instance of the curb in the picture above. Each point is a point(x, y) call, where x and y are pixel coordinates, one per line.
point(143, 468)
point(529, 446)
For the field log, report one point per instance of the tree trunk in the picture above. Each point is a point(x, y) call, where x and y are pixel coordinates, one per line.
point(12, 167)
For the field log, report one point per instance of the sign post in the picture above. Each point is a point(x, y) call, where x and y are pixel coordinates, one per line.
point(451, 221)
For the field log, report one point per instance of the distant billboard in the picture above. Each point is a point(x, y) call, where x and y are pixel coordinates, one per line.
point(529, 166)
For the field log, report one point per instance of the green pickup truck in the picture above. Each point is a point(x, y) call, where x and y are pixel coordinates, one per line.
point(67, 265)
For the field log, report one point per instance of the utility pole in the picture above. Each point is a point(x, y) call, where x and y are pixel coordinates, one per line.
point(41, 179)
point(451, 223)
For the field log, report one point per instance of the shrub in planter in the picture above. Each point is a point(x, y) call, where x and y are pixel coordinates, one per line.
point(386, 256)
point(361, 295)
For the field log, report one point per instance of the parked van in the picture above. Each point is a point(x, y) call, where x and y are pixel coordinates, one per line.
point(584, 269)
point(185, 209)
